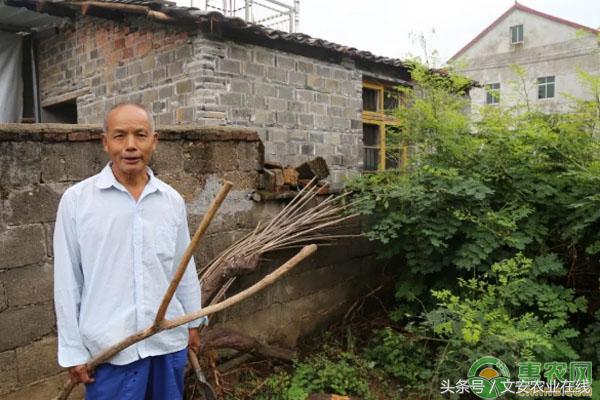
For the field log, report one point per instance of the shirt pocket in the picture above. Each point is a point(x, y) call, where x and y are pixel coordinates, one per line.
point(165, 239)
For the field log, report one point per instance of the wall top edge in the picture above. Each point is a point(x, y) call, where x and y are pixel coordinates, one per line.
point(48, 132)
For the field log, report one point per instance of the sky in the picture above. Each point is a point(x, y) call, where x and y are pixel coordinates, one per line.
point(392, 27)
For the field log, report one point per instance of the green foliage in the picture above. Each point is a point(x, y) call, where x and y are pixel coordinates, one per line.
point(479, 192)
point(488, 222)
point(401, 357)
point(332, 370)
point(508, 312)
point(590, 349)
point(480, 317)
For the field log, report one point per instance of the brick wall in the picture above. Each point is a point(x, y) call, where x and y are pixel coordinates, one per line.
point(38, 162)
point(300, 106)
point(103, 63)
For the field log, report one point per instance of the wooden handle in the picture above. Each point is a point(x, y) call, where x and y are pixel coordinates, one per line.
point(66, 392)
point(208, 216)
point(194, 359)
point(258, 286)
point(154, 329)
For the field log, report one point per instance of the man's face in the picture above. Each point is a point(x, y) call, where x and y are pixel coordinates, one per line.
point(129, 140)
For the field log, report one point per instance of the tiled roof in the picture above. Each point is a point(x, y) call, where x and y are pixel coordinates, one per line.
point(193, 15)
point(307, 40)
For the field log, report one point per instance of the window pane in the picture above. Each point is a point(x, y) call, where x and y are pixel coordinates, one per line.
point(493, 93)
point(370, 99)
point(546, 86)
point(390, 100)
point(516, 33)
point(371, 161)
point(370, 135)
point(393, 158)
point(550, 90)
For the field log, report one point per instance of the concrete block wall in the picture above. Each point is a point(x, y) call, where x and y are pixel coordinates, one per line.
point(38, 162)
point(301, 107)
point(27, 321)
point(311, 296)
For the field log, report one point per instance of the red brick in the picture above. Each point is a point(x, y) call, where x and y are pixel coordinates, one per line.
point(119, 43)
point(143, 48)
point(101, 37)
point(113, 59)
point(127, 53)
point(130, 40)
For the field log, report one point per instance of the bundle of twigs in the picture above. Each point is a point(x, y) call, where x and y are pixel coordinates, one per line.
point(303, 220)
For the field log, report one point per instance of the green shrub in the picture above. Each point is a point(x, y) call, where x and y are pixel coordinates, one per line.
point(488, 223)
point(343, 374)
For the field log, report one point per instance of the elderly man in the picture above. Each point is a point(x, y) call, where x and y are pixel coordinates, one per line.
point(118, 239)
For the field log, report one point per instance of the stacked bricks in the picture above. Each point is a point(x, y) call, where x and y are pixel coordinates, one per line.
point(301, 107)
point(105, 63)
point(38, 162)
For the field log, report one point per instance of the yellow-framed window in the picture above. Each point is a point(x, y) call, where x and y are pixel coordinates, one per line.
point(377, 156)
point(373, 151)
point(373, 98)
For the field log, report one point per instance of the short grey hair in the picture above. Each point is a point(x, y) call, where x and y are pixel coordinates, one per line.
point(119, 105)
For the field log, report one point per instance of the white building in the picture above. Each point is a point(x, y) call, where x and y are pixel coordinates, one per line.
point(531, 58)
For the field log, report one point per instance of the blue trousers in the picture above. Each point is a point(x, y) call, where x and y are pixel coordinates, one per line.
point(151, 378)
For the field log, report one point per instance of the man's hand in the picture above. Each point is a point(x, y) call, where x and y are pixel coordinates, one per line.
point(194, 341)
point(79, 373)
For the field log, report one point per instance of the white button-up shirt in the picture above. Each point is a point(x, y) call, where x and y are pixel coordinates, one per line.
point(113, 260)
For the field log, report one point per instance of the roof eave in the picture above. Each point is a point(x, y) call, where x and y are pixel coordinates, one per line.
point(168, 13)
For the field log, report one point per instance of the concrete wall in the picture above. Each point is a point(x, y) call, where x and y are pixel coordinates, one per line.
point(38, 162)
point(301, 107)
point(549, 49)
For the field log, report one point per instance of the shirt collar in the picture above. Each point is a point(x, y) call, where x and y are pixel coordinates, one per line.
point(106, 179)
